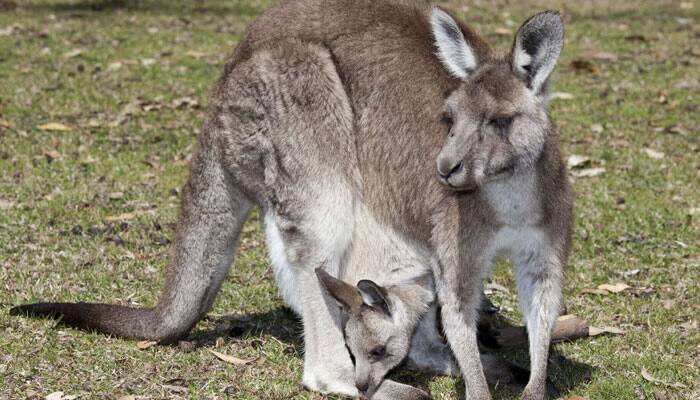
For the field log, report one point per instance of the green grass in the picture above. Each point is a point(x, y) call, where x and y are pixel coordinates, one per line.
point(127, 149)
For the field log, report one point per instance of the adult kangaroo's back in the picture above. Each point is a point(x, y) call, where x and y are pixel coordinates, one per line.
point(395, 86)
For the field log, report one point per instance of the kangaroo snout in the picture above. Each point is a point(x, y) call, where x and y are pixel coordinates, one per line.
point(447, 168)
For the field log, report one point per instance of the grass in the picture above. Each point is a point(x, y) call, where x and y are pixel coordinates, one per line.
point(131, 81)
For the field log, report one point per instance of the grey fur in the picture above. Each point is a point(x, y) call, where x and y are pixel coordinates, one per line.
point(327, 117)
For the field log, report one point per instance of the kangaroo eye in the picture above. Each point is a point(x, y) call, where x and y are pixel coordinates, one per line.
point(501, 123)
point(446, 120)
point(378, 352)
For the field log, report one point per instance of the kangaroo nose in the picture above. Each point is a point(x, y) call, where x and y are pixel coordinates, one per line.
point(362, 386)
point(447, 170)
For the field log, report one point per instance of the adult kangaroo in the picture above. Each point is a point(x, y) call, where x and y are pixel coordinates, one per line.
point(338, 115)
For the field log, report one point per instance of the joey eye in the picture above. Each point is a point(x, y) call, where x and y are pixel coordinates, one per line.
point(378, 352)
point(447, 120)
point(501, 123)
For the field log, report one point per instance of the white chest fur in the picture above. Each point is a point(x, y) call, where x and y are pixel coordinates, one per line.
point(516, 203)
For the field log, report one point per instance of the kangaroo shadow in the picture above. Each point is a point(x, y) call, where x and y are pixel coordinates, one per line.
point(282, 324)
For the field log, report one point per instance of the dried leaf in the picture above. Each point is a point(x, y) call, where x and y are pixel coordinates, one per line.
point(52, 155)
point(231, 359)
point(127, 397)
point(631, 272)
point(584, 66)
point(689, 325)
point(185, 102)
point(5, 124)
point(656, 155)
point(148, 61)
point(595, 331)
point(577, 161)
point(54, 126)
point(120, 217)
point(588, 172)
point(55, 396)
point(503, 31)
point(144, 344)
point(196, 54)
point(116, 195)
point(74, 53)
point(576, 397)
point(561, 96)
point(616, 288)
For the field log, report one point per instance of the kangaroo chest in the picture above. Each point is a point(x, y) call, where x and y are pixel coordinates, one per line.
point(517, 209)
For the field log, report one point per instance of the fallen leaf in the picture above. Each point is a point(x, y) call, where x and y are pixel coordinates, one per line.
point(616, 288)
point(186, 101)
point(196, 54)
point(52, 155)
point(116, 195)
point(144, 344)
point(55, 396)
point(5, 123)
point(584, 66)
point(231, 359)
point(577, 161)
point(576, 397)
point(599, 55)
point(148, 61)
point(502, 31)
point(120, 217)
point(595, 331)
point(561, 96)
point(597, 128)
point(588, 172)
point(656, 155)
point(54, 126)
point(127, 397)
point(74, 53)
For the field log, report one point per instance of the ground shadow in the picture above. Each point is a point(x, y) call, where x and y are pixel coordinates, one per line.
point(282, 324)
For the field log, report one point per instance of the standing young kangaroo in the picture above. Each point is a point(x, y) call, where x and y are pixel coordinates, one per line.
point(331, 116)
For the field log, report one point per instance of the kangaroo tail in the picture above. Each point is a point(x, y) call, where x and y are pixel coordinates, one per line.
point(213, 211)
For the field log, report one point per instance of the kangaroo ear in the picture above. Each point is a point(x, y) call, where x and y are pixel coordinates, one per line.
point(346, 295)
point(455, 53)
point(536, 48)
point(374, 296)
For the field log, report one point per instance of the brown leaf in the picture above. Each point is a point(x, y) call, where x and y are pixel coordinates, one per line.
point(5, 124)
point(54, 126)
point(144, 344)
point(231, 359)
point(52, 155)
point(576, 397)
point(595, 331)
point(584, 66)
point(116, 195)
point(55, 396)
point(503, 31)
point(616, 288)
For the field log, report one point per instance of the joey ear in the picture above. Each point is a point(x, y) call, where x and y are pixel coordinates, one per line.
point(536, 48)
point(374, 296)
point(455, 53)
point(345, 294)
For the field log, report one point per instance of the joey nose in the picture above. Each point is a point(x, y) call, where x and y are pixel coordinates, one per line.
point(447, 169)
point(362, 386)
